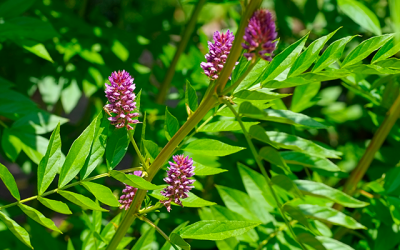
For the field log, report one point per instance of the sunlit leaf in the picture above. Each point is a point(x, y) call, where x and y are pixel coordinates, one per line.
point(9, 181)
point(216, 230)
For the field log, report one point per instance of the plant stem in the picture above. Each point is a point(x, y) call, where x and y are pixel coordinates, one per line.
point(67, 186)
point(263, 171)
point(181, 47)
point(210, 101)
point(158, 205)
point(242, 77)
point(379, 137)
point(236, 49)
point(143, 218)
point(280, 229)
point(142, 160)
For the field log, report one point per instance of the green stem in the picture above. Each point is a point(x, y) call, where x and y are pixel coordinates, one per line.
point(263, 171)
point(236, 50)
point(242, 77)
point(379, 137)
point(67, 186)
point(280, 229)
point(210, 101)
point(142, 160)
point(143, 218)
point(181, 47)
point(158, 205)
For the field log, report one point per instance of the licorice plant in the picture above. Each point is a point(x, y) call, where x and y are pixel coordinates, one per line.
point(245, 71)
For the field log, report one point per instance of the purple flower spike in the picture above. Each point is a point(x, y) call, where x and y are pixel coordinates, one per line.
point(259, 36)
point(121, 99)
point(179, 184)
point(128, 194)
point(219, 51)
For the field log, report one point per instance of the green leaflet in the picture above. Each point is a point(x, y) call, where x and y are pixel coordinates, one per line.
point(321, 190)
point(191, 97)
point(392, 182)
point(216, 230)
point(210, 147)
point(171, 125)
point(289, 117)
point(35, 48)
point(330, 243)
point(272, 156)
point(77, 155)
point(293, 142)
point(361, 15)
point(331, 54)
point(11, 144)
point(9, 181)
point(252, 78)
point(226, 126)
point(144, 242)
point(329, 215)
point(241, 203)
point(284, 60)
point(39, 217)
point(389, 49)
point(16, 229)
point(39, 122)
point(117, 146)
point(70, 246)
point(287, 184)
point(224, 214)
point(204, 170)
point(304, 61)
point(303, 95)
point(81, 200)
point(58, 206)
point(191, 201)
point(281, 116)
point(303, 159)
point(133, 180)
point(258, 95)
point(98, 147)
point(256, 186)
point(109, 230)
point(167, 245)
point(177, 240)
point(365, 48)
point(151, 149)
point(51, 163)
point(102, 193)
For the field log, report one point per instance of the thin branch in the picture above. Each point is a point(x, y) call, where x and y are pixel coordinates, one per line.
point(181, 47)
point(142, 160)
point(68, 186)
point(143, 218)
point(263, 171)
point(379, 137)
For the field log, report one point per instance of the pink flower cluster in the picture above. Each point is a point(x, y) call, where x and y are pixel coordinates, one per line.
point(121, 100)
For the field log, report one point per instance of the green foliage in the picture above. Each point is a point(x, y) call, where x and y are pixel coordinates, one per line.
point(299, 128)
